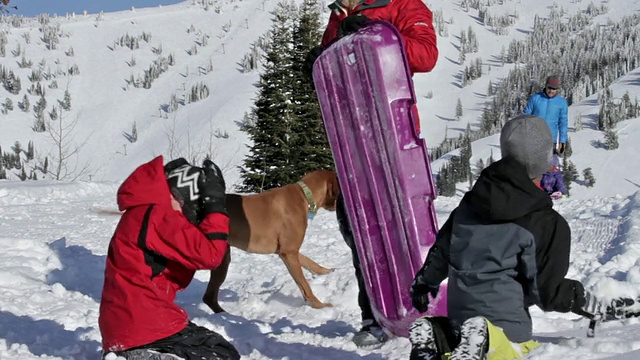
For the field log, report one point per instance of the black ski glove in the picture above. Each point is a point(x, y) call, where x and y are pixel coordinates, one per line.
point(311, 58)
point(351, 24)
point(420, 295)
point(212, 189)
point(586, 304)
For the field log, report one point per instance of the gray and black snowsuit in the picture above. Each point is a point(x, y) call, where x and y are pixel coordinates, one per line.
point(504, 249)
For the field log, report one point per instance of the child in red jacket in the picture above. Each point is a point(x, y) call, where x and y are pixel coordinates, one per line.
point(154, 253)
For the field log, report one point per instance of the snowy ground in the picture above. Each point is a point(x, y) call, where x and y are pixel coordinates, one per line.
point(54, 236)
point(54, 239)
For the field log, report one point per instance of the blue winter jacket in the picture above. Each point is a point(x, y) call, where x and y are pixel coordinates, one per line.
point(554, 110)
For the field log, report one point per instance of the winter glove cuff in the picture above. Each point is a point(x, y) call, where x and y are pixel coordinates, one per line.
point(420, 295)
point(212, 189)
point(351, 24)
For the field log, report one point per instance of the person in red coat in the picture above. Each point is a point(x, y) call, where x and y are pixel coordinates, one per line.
point(412, 18)
point(154, 253)
point(414, 21)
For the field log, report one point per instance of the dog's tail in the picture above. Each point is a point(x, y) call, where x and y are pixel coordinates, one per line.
point(107, 212)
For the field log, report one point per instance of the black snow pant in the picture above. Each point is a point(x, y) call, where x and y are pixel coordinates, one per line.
point(347, 235)
point(194, 342)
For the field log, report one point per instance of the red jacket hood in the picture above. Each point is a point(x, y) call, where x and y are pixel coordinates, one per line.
point(146, 185)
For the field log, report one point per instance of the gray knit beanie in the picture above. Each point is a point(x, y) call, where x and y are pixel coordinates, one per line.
point(527, 139)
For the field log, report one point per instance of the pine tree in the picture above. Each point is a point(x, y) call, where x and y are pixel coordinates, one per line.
point(17, 148)
point(572, 171)
point(23, 174)
point(8, 104)
point(479, 167)
point(45, 166)
point(458, 109)
point(589, 179)
point(465, 156)
point(308, 135)
point(611, 139)
point(66, 102)
point(445, 182)
point(26, 106)
point(268, 163)
point(134, 133)
point(568, 149)
point(30, 151)
point(490, 160)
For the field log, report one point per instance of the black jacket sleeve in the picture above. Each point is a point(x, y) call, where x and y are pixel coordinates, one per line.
point(553, 248)
point(436, 266)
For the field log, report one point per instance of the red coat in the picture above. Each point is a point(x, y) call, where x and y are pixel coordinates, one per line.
point(412, 17)
point(143, 273)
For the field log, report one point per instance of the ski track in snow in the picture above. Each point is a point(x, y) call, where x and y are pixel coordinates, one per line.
point(52, 272)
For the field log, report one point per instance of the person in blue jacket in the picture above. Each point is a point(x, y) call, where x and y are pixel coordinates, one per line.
point(552, 107)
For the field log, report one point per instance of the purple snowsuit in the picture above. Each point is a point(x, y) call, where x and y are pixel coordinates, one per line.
point(552, 181)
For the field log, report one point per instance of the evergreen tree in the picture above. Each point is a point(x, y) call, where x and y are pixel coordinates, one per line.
point(568, 149)
point(458, 172)
point(308, 135)
point(66, 102)
point(465, 156)
point(25, 103)
point(45, 167)
point(490, 160)
point(17, 148)
point(479, 167)
point(445, 183)
point(8, 104)
point(23, 174)
point(268, 163)
point(572, 171)
point(611, 139)
point(134, 133)
point(30, 151)
point(458, 110)
point(589, 179)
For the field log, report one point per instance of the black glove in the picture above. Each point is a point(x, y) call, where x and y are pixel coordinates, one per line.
point(419, 295)
point(311, 58)
point(586, 304)
point(351, 24)
point(212, 189)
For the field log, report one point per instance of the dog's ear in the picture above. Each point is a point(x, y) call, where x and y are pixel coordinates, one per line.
point(333, 191)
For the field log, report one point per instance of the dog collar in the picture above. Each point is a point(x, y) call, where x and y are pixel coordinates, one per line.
point(313, 208)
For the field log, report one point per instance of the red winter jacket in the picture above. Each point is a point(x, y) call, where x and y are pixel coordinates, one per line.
point(412, 17)
point(153, 254)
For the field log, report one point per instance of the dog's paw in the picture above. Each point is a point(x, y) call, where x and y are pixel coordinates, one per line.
point(324, 271)
point(319, 305)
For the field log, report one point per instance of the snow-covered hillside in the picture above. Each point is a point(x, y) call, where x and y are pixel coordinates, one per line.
point(54, 235)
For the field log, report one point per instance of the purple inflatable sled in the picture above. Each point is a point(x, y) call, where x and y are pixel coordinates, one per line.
point(366, 96)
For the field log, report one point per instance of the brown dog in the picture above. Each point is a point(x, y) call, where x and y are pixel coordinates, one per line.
point(275, 221)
